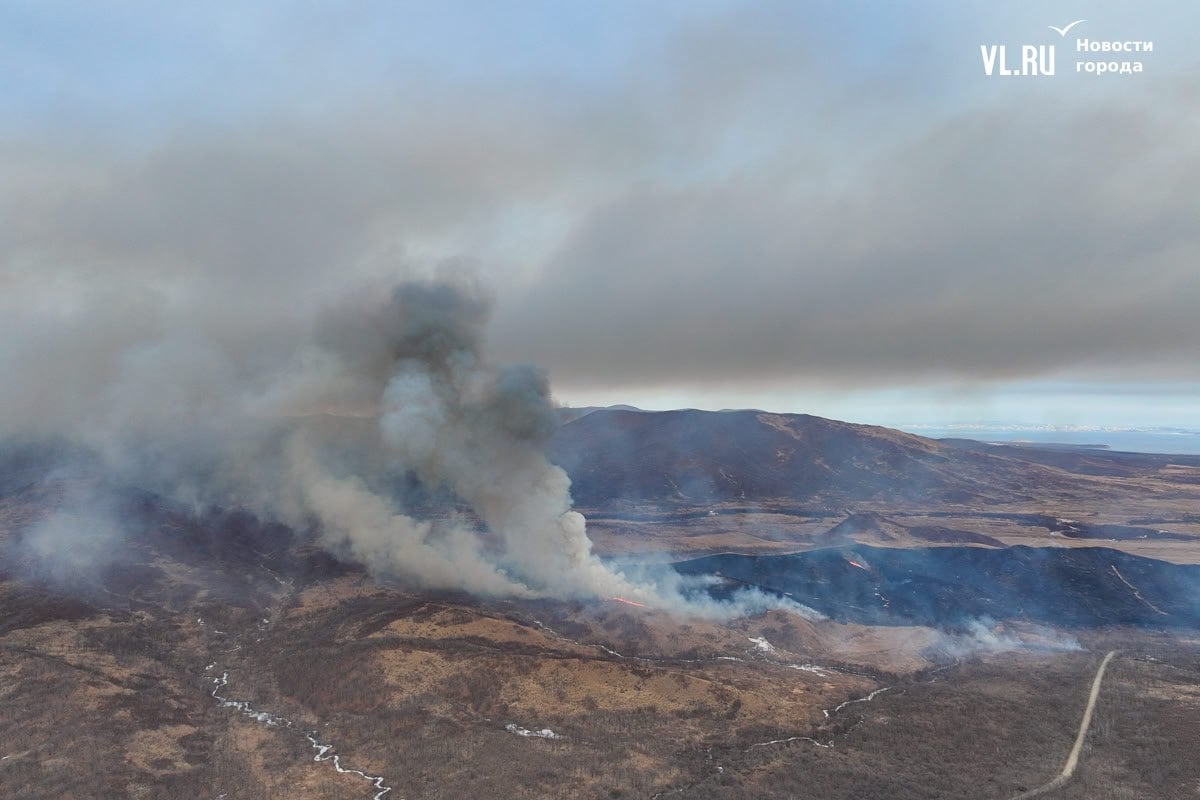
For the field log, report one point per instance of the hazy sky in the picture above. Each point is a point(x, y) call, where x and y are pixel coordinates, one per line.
point(804, 206)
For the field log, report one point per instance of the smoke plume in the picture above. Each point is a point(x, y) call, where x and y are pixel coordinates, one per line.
point(414, 367)
point(321, 425)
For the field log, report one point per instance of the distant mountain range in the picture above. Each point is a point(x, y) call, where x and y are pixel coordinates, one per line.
point(1128, 439)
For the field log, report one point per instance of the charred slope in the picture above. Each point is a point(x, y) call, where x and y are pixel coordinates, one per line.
point(687, 457)
point(870, 526)
point(949, 586)
point(165, 556)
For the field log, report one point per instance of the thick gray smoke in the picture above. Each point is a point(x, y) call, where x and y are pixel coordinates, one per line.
point(414, 367)
point(314, 425)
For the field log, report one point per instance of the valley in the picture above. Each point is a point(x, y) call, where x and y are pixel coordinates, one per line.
point(949, 649)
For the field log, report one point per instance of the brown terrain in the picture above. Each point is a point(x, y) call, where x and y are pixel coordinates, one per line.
point(224, 660)
point(699, 482)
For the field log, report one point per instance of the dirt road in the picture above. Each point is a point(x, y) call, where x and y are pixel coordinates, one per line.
point(1073, 759)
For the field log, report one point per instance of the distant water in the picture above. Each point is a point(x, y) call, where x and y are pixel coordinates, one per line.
point(1152, 441)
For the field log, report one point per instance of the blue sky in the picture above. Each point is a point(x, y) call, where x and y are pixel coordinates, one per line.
point(821, 207)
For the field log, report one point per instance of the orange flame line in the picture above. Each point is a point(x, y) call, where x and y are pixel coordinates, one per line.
point(628, 602)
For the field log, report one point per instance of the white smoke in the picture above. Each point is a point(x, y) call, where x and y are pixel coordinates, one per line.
point(71, 544)
point(985, 635)
point(317, 427)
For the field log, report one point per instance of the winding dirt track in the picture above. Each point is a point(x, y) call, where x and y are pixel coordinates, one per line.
point(1073, 759)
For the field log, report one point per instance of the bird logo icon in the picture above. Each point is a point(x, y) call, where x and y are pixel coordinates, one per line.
point(1063, 31)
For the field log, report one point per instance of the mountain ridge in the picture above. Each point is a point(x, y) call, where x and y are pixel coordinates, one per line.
point(690, 456)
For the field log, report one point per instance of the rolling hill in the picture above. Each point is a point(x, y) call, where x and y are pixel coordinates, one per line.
point(691, 457)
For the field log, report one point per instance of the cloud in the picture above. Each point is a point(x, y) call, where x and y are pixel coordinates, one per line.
point(1009, 241)
point(752, 196)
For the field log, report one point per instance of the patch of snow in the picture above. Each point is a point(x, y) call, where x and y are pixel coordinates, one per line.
point(245, 708)
point(808, 739)
point(761, 644)
point(813, 668)
point(544, 733)
point(866, 699)
point(323, 749)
